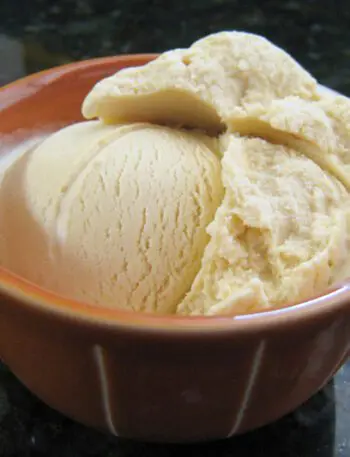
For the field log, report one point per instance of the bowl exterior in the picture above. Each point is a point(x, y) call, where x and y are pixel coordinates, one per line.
point(150, 384)
point(169, 386)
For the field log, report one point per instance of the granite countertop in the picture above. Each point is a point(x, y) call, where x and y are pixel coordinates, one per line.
point(38, 34)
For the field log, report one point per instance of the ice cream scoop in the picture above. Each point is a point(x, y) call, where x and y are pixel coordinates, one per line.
point(112, 215)
point(201, 86)
point(278, 235)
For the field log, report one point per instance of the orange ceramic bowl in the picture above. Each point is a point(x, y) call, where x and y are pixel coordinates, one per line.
point(147, 377)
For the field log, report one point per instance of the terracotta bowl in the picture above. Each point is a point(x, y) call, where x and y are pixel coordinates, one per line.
point(146, 377)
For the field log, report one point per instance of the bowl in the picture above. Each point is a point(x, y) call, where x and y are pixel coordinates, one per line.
point(148, 377)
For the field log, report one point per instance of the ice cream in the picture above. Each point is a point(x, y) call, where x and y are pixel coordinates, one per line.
point(112, 215)
point(201, 86)
point(277, 236)
point(215, 181)
point(319, 129)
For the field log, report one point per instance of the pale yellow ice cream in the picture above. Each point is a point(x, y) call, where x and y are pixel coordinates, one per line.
point(280, 232)
point(112, 215)
point(202, 85)
point(240, 203)
point(319, 129)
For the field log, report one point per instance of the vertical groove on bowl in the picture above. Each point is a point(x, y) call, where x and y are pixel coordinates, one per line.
point(102, 373)
point(293, 371)
point(52, 361)
point(251, 379)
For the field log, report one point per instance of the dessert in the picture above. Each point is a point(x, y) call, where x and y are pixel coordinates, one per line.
point(215, 180)
point(112, 215)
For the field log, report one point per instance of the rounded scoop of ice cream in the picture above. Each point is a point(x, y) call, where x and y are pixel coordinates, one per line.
point(112, 215)
point(200, 86)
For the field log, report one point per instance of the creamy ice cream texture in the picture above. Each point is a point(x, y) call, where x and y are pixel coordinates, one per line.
point(113, 215)
point(214, 182)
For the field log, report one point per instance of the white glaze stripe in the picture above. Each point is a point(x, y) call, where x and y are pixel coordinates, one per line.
point(253, 374)
point(102, 374)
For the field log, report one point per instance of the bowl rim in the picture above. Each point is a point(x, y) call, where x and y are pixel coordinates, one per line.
point(26, 294)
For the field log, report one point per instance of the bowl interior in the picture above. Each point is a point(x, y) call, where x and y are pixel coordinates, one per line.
point(46, 101)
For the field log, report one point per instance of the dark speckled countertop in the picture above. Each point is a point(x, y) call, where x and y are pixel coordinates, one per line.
point(37, 34)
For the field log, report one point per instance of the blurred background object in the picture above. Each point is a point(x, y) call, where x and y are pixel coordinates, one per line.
point(315, 32)
point(12, 59)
